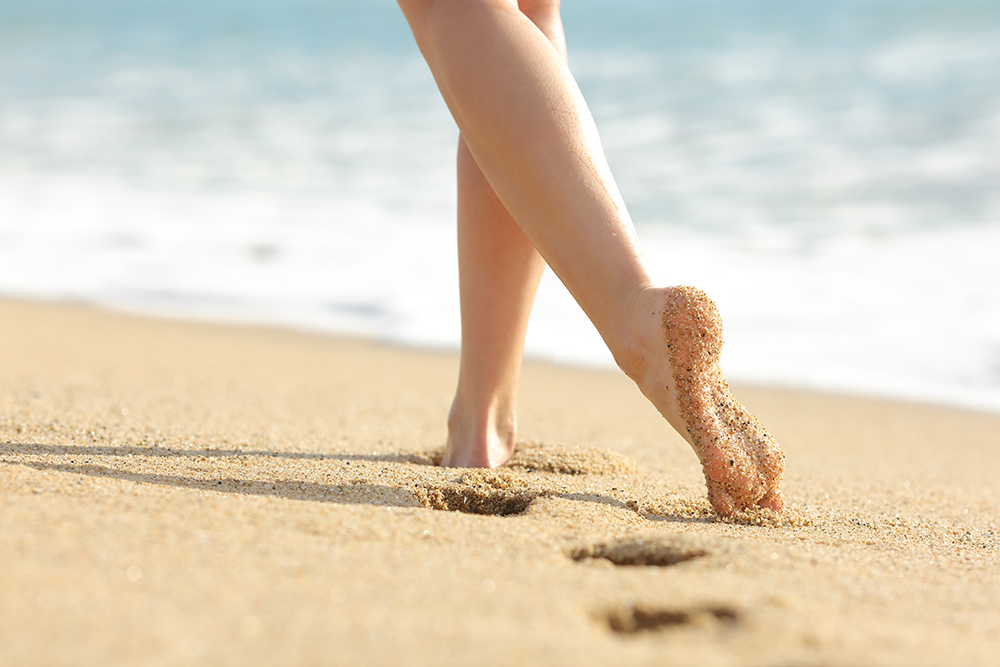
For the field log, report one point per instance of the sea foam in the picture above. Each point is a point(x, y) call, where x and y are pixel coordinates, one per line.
point(828, 176)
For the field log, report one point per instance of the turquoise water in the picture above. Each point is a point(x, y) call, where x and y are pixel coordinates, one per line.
point(830, 172)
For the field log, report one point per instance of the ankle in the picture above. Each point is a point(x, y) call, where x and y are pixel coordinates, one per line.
point(479, 438)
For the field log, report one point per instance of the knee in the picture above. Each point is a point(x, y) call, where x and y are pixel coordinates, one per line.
point(415, 8)
point(539, 8)
point(545, 15)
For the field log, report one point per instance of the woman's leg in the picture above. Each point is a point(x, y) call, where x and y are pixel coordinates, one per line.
point(499, 270)
point(530, 132)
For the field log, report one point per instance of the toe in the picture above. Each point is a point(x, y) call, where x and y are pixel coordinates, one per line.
point(720, 500)
point(773, 500)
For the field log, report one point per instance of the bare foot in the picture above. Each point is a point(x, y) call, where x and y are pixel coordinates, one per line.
point(676, 365)
point(478, 442)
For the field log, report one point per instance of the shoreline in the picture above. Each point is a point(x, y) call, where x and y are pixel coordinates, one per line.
point(217, 494)
point(234, 322)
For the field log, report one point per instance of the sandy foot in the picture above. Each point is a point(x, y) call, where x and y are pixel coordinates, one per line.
point(743, 464)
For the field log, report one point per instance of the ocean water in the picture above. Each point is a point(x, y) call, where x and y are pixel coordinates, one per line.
point(828, 172)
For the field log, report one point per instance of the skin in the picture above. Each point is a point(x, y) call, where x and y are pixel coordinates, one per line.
point(499, 270)
point(534, 184)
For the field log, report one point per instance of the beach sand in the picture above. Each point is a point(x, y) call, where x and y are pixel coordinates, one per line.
point(178, 493)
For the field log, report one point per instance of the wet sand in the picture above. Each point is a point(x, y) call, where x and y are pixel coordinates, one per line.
point(176, 493)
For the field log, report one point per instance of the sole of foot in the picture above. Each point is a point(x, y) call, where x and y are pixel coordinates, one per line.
point(743, 465)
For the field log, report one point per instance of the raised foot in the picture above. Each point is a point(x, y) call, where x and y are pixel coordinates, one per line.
point(743, 465)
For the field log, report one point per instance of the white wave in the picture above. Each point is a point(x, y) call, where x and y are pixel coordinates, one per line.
point(839, 204)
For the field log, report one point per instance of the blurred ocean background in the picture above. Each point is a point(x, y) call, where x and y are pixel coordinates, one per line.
point(829, 172)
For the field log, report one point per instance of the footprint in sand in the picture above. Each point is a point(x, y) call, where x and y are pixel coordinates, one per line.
point(502, 492)
point(478, 492)
point(653, 550)
point(638, 618)
point(538, 457)
point(661, 551)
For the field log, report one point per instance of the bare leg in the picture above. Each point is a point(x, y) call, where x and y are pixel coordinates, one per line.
point(499, 270)
point(529, 130)
point(527, 126)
